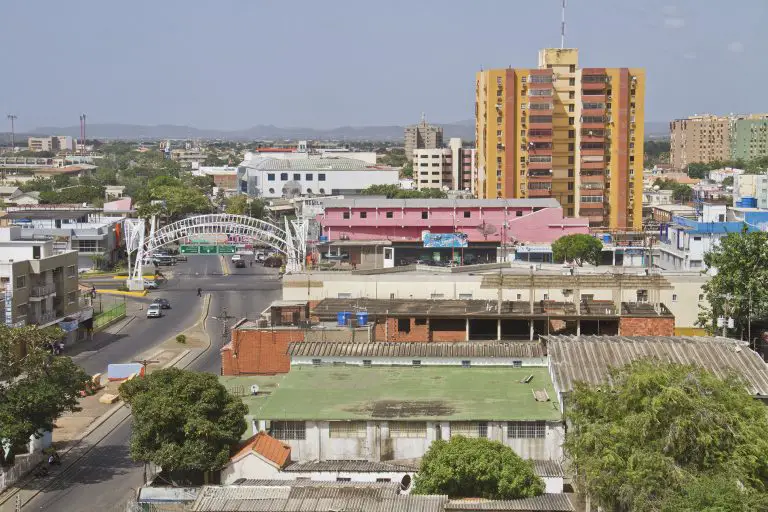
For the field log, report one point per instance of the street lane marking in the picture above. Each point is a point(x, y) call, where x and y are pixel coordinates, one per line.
point(224, 266)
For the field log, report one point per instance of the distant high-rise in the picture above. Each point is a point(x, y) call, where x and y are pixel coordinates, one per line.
point(575, 134)
point(422, 136)
point(709, 138)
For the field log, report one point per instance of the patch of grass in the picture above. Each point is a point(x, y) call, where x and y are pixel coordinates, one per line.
point(181, 338)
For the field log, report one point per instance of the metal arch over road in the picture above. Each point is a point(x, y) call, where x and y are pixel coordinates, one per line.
point(290, 241)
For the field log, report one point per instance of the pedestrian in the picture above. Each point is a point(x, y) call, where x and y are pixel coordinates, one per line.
point(250, 263)
point(199, 292)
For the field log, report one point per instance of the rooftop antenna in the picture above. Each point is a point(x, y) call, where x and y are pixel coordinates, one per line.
point(562, 27)
point(423, 118)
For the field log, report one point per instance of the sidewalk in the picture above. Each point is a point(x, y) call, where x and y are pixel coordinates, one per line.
point(72, 429)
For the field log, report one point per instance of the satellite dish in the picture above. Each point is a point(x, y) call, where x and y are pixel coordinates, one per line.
point(254, 389)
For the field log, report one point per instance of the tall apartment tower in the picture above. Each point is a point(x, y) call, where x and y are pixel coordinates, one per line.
point(709, 138)
point(574, 134)
point(422, 136)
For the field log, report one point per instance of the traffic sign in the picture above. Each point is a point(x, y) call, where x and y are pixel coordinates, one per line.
point(207, 249)
point(226, 249)
point(189, 249)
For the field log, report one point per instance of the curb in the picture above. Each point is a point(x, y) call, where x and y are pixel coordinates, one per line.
point(113, 322)
point(118, 292)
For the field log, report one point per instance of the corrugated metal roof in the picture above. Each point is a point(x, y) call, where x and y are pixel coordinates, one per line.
point(589, 358)
point(543, 503)
point(360, 466)
point(419, 349)
point(312, 164)
point(440, 203)
point(548, 468)
point(320, 497)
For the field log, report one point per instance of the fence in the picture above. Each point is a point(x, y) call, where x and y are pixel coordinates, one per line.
point(107, 317)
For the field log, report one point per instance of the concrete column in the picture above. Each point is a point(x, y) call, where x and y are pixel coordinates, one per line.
point(530, 324)
point(467, 322)
point(578, 327)
point(614, 256)
point(498, 329)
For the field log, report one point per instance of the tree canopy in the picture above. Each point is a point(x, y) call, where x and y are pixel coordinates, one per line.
point(476, 468)
point(36, 387)
point(577, 248)
point(241, 204)
point(395, 192)
point(680, 192)
point(663, 435)
point(183, 421)
point(741, 260)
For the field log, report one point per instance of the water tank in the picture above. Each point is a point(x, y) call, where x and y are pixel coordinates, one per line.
point(606, 239)
point(341, 318)
point(749, 202)
point(362, 318)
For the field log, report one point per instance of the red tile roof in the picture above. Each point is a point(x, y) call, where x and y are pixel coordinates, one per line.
point(268, 447)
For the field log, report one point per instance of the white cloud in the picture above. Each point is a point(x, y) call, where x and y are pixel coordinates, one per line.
point(736, 47)
point(674, 22)
point(689, 56)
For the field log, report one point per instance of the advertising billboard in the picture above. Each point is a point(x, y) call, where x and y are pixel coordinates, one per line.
point(449, 240)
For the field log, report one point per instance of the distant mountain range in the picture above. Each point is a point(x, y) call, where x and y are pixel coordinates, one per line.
point(464, 129)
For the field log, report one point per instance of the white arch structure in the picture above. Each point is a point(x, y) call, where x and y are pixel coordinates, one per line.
point(290, 241)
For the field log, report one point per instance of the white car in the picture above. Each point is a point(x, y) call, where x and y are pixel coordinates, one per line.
point(154, 311)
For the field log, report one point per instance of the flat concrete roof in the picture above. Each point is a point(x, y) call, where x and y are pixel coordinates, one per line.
point(405, 393)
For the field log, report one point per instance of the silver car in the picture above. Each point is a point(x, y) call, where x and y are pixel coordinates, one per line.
point(154, 311)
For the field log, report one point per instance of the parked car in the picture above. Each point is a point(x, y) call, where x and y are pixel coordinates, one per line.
point(163, 303)
point(154, 311)
point(150, 284)
point(181, 257)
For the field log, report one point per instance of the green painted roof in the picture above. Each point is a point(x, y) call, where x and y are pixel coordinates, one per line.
point(402, 393)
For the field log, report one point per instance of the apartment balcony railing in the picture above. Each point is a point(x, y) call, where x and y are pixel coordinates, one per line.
point(42, 318)
point(42, 290)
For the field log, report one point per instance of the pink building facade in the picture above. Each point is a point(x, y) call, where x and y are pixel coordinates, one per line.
point(529, 221)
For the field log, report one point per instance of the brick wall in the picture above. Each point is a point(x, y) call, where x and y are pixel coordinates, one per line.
point(390, 332)
point(454, 335)
point(634, 326)
point(259, 352)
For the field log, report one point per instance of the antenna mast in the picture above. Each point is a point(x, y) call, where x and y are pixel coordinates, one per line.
point(562, 27)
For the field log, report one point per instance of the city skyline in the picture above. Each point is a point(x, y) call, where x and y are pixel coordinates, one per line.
point(242, 64)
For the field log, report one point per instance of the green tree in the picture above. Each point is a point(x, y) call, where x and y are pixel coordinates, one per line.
point(715, 493)
point(682, 193)
point(407, 170)
point(237, 205)
point(577, 248)
point(183, 421)
point(728, 181)
point(476, 468)
point(737, 290)
point(698, 170)
point(659, 429)
point(36, 387)
point(395, 192)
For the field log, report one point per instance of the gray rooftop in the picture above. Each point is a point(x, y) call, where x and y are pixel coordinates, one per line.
point(405, 349)
point(311, 164)
point(314, 497)
point(543, 503)
point(358, 466)
point(440, 203)
point(589, 358)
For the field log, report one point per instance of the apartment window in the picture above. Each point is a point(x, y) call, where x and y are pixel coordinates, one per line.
point(674, 297)
point(321, 177)
point(570, 160)
point(21, 282)
point(21, 310)
point(437, 296)
point(343, 479)
point(363, 215)
point(546, 296)
point(571, 146)
point(271, 177)
point(424, 215)
point(389, 215)
point(467, 214)
point(591, 199)
point(571, 121)
point(570, 186)
point(412, 429)
point(289, 430)
point(519, 213)
point(383, 480)
point(469, 428)
point(347, 429)
point(283, 176)
point(345, 215)
point(571, 134)
point(526, 429)
point(572, 68)
point(570, 198)
point(72, 297)
point(404, 325)
point(88, 246)
point(571, 95)
point(465, 296)
point(570, 173)
point(498, 133)
point(571, 108)
point(498, 80)
point(642, 295)
point(571, 82)
point(308, 177)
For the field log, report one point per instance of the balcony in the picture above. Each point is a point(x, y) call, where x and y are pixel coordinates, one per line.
point(593, 111)
point(591, 191)
point(543, 192)
point(593, 152)
point(592, 177)
point(591, 86)
point(593, 98)
point(593, 165)
point(42, 291)
point(41, 318)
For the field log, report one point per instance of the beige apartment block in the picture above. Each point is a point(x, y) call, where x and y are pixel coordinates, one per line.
point(422, 136)
point(704, 138)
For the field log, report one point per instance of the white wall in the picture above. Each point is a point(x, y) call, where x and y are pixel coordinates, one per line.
point(425, 361)
point(249, 466)
point(334, 180)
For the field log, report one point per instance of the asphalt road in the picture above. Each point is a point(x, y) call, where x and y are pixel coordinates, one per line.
point(106, 478)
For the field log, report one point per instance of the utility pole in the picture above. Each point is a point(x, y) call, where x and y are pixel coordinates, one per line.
point(224, 317)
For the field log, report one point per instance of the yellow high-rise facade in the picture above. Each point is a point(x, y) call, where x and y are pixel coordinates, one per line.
point(574, 134)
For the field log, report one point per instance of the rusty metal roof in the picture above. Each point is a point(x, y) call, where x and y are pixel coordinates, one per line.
point(417, 349)
point(358, 466)
point(589, 358)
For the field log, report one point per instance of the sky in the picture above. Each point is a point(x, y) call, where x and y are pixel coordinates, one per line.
point(232, 64)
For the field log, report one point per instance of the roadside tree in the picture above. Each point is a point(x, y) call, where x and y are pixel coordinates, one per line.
point(183, 421)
